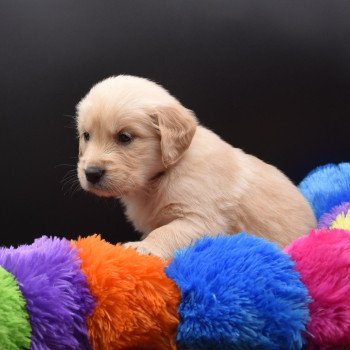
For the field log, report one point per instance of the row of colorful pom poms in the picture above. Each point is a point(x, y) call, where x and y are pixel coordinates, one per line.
point(228, 292)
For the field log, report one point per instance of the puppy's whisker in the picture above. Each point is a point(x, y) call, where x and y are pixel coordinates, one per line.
point(69, 182)
point(74, 187)
point(72, 192)
point(70, 171)
point(71, 174)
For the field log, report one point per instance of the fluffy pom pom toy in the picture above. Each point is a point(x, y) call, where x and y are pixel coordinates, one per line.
point(136, 303)
point(238, 292)
point(57, 298)
point(228, 292)
point(323, 260)
point(14, 323)
point(326, 187)
point(342, 221)
point(327, 219)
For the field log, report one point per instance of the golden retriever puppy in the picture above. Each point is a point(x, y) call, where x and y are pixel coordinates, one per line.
point(177, 179)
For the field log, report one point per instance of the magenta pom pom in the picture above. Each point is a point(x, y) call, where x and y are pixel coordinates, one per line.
point(323, 260)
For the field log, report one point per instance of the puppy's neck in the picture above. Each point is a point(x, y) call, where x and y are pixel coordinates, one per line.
point(149, 190)
point(141, 206)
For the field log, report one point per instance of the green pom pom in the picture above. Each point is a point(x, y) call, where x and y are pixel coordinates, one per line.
point(15, 328)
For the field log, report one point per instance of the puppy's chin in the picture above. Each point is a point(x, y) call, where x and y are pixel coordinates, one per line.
point(102, 190)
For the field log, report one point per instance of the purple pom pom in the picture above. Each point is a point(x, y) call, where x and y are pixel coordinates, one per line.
point(58, 300)
point(327, 218)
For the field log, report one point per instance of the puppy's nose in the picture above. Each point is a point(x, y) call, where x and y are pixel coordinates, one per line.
point(93, 174)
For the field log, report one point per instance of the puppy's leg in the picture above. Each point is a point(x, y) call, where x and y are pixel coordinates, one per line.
point(164, 240)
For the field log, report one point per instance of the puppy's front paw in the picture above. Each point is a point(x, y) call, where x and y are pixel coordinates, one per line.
point(143, 248)
point(139, 246)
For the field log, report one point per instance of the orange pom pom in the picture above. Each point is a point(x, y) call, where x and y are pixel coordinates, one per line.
point(136, 303)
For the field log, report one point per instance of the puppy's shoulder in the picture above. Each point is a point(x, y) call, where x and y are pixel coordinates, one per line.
point(207, 143)
point(210, 158)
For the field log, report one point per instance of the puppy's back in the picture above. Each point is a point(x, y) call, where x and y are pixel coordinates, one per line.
point(241, 192)
point(273, 207)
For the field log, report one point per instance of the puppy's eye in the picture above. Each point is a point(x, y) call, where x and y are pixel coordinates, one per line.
point(124, 138)
point(86, 136)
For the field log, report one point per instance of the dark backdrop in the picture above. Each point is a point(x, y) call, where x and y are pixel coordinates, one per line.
point(271, 77)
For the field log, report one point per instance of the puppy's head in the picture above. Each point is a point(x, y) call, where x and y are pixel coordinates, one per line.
point(130, 130)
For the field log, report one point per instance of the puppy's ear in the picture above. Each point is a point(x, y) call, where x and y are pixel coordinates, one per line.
point(176, 126)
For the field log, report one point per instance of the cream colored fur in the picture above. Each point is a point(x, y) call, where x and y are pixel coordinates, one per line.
point(179, 180)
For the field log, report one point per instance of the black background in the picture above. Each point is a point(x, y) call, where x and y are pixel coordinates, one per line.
point(271, 77)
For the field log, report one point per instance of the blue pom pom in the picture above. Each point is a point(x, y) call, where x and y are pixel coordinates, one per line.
point(326, 187)
point(239, 292)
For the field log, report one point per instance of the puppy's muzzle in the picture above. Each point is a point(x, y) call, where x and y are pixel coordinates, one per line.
point(94, 174)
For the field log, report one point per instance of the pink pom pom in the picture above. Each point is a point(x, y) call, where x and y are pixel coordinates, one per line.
point(323, 260)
